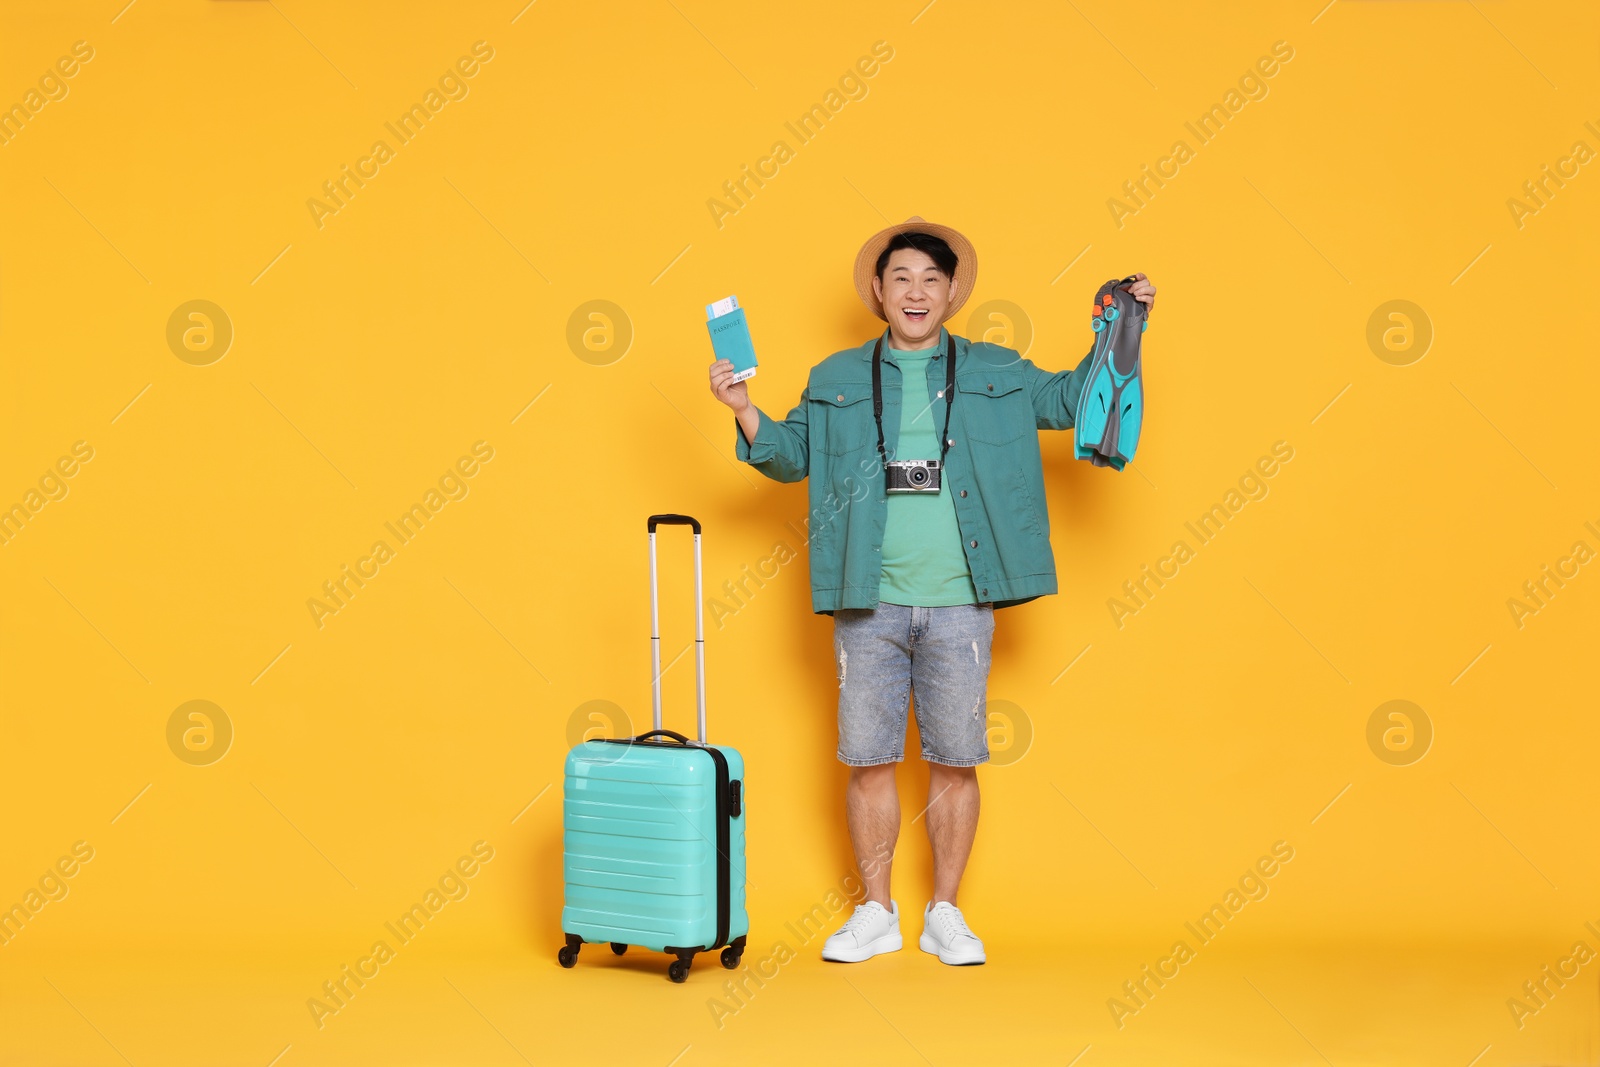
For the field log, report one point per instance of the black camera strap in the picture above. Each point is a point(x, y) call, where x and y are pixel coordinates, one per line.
point(949, 396)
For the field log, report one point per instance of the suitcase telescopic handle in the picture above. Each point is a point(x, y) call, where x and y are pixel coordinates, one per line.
point(699, 625)
point(672, 520)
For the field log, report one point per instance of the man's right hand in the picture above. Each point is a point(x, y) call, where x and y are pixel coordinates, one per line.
point(734, 394)
point(737, 396)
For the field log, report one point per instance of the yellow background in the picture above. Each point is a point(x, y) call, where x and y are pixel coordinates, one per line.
point(428, 314)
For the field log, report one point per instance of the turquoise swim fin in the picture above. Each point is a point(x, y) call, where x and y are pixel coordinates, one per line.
point(1111, 407)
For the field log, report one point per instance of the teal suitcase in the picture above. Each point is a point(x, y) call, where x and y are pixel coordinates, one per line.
point(654, 827)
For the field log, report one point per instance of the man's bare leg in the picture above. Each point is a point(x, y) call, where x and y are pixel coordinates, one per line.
point(872, 806)
point(952, 824)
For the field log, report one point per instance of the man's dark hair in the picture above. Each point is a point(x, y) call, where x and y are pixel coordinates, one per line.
point(937, 249)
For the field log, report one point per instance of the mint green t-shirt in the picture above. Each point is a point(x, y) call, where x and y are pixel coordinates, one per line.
point(923, 564)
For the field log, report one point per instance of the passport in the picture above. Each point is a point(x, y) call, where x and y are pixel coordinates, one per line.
point(730, 336)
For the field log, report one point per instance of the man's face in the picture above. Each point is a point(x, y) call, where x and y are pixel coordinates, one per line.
point(915, 296)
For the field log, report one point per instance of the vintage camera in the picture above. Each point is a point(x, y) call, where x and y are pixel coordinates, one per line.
point(911, 476)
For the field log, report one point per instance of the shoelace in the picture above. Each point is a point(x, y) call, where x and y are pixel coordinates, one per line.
point(955, 925)
point(859, 918)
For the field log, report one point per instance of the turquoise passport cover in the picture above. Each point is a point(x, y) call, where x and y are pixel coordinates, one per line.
point(730, 340)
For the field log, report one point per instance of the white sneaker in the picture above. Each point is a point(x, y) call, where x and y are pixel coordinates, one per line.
point(945, 934)
point(871, 929)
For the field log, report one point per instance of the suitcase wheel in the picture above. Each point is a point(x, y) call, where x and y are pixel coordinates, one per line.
point(618, 947)
point(678, 971)
point(567, 956)
point(730, 957)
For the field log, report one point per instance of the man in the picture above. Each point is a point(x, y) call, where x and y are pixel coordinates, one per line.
point(912, 579)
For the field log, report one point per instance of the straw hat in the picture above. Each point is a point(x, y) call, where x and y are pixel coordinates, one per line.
point(867, 262)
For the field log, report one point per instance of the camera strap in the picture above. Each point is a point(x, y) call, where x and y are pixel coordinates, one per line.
point(949, 396)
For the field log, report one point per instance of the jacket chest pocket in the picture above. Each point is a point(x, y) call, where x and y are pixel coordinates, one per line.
point(996, 407)
point(846, 411)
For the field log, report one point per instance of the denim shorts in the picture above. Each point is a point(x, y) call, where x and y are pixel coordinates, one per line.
point(883, 655)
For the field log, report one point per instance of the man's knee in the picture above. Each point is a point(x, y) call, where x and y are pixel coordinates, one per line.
point(875, 775)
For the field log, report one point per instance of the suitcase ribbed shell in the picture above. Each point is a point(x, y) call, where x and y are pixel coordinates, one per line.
point(639, 856)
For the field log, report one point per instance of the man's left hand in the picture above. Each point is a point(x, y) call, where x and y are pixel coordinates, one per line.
point(1142, 290)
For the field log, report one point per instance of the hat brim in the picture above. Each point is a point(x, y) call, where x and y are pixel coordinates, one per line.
point(867, 261)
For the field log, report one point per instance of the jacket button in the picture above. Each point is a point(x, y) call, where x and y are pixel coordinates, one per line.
point(990, 387)
point(963, 492)
point(951, 441)
point(939, 395)
point(974, 544)
point(841, 398)
point(986, 592)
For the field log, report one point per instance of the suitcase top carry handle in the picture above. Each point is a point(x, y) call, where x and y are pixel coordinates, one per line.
point(675, 735)
point(699, 627)
point(672, 520)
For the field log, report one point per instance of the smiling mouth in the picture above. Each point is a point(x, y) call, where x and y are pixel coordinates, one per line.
point(914, 314)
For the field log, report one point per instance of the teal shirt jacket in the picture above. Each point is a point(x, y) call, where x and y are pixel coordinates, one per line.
point(992, 468)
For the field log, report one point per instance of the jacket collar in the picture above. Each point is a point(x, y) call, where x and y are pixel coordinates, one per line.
point(888, 353)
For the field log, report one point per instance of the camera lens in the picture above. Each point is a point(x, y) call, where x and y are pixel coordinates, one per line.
point(917, 475)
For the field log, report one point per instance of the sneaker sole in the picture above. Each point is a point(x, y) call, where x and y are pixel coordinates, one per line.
point(886, 943)
point(929, 945)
